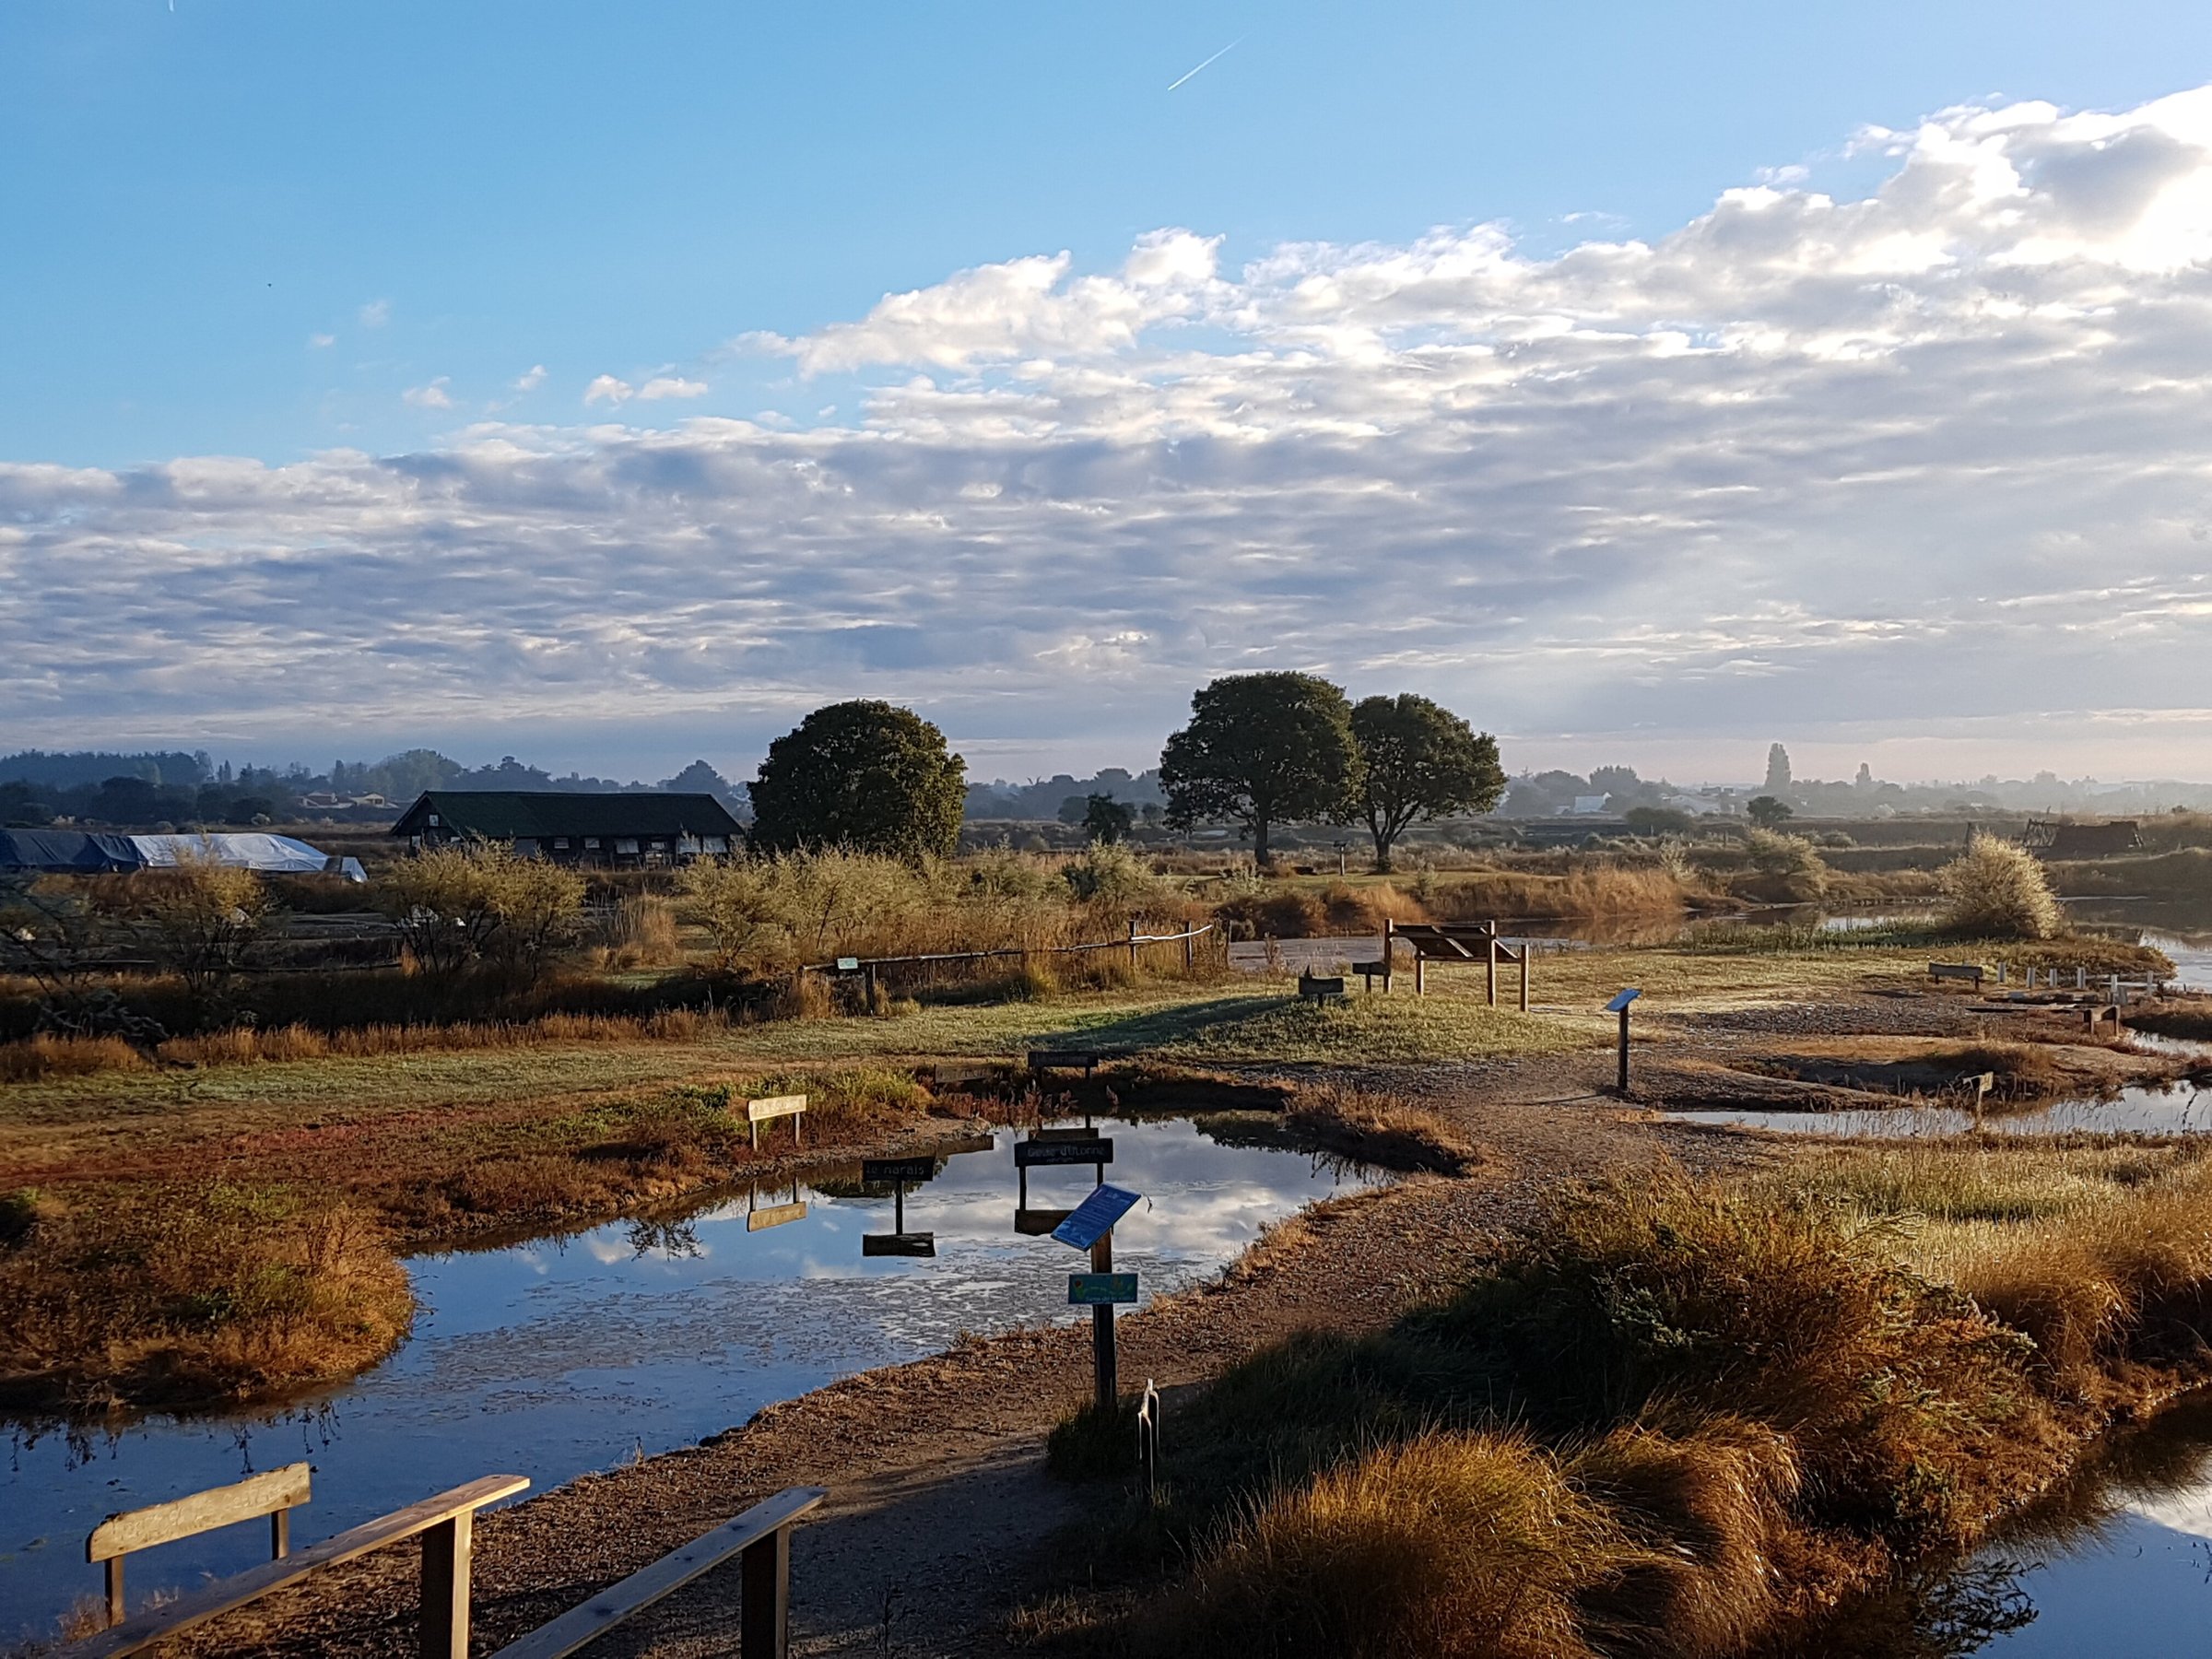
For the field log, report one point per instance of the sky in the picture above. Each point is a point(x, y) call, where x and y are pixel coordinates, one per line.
point(610, 385)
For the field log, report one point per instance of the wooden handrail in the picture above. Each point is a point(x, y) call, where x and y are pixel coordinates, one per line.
point(761, 1534)
point(274, 1492)
point(446, 1571)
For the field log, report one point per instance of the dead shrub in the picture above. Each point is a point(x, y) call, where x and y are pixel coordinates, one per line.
point(45, 1057)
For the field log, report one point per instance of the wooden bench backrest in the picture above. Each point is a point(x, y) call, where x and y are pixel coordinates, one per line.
point(161, 1623)
point(774, 1106)
point(585, 1623)
point(247, 1500)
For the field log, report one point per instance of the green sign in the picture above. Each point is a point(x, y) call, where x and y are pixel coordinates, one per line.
point(1095, 1290)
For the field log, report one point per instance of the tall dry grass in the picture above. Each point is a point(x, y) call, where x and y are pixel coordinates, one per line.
point(1672, 1414)
point(191, 1293)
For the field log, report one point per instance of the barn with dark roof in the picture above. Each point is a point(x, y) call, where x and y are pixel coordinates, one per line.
point(641, 830)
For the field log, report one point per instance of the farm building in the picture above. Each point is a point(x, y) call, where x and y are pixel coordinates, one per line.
point(625, 832)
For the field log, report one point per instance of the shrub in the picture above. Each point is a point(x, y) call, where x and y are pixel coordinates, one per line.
point(1998, 891)
point(1786, 869)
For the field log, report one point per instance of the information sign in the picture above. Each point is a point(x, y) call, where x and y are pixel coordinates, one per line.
point(1101, 1289)
point(1620, 1002)
point(883, 1172)
point(1094, 1218)
point(1030, 1155)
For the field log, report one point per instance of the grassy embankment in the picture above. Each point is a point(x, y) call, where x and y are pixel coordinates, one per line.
point(1678, 1418)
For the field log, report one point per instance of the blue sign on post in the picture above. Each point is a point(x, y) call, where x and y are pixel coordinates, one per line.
point(1094, 1218)
point(1619, 1004)
point(1101, 1289)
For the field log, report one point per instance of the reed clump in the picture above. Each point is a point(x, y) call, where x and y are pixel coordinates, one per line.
point(191, 1293)
point(1672, 1414)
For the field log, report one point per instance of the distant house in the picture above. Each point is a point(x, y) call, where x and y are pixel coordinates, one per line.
point(1588, 806)
point(2063, 839)
point(622, 831)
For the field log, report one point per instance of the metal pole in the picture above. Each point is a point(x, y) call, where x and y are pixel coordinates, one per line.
point(899, 1208)
point(1624, 1051)
point(1102, 1330)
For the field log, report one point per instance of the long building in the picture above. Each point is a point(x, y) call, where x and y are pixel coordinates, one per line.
point(618, 830)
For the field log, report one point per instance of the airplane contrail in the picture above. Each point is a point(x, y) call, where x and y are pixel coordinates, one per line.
point(1215, 59)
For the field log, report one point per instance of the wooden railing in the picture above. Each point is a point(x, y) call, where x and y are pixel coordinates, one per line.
point(445, 1524)
point(760, 1538)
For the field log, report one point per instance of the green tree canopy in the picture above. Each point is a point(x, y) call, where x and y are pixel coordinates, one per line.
point(1417, 759)
point(1262, 750)
point(1107, 820)
point(1767, 812)
point(866, 775)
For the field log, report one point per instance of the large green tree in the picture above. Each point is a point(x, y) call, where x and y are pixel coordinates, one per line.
point(1418, 760)
point(866, 775)
point(1262, 750)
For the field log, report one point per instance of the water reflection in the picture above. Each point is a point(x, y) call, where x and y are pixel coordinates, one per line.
point(2115, 1562)
point(554, 1355)
point(2180, 1108)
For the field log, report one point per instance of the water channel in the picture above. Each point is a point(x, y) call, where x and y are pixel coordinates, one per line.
point(556, 1356)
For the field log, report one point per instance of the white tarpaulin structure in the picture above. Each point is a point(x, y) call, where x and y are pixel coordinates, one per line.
point(252, 851)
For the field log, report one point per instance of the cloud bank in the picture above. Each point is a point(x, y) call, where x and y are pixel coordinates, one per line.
point(1932, 461)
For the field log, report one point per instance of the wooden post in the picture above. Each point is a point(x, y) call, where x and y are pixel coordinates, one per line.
point(445, 1556)
point(1525, 948)
point(1624, 1050)
point(1387, 954)
point(1133, 946)
point(280, 1535)
point(1189, 951)
point(115, 1590)
point(764, 1623)
point(1102, 1332)
point(1490, 971)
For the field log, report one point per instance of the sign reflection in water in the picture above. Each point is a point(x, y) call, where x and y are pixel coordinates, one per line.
point(557, 1357)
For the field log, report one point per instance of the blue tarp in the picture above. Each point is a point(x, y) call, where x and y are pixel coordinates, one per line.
point(67, 851)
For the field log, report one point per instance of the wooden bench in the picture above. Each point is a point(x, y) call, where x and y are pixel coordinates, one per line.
point(1367, 972)
point(2096, 1014)
point(760, 1538)
point(1972, 971)
point(275, 1493)
point(1315, 988)
point(445, 1523)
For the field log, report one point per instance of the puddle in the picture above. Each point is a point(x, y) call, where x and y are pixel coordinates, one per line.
point(555, 1357)
point(2180, 1109)
point(2118, 1564)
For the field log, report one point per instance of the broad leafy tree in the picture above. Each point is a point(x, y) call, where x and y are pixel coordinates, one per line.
point(1262, 750)
point(1419, 760)
point(1769, 813)
point(1107, 820)
point(864, 775)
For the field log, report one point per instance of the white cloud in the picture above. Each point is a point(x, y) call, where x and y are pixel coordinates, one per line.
point(317, 342)
point(662, 386)
point(531, 380)
point(1806, 465)
point(376, 313)
point(433, 396)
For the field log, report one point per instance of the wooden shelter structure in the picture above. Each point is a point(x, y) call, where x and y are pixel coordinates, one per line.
point(1447, 942)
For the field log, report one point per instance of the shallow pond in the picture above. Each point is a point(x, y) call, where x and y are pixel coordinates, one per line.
point(2117, 1564)
point(554, 1356)
point(2183, 1108)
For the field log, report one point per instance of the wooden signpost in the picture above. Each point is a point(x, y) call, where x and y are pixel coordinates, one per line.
point(1619, 1006)
point(760, 1111)
point(1050, 1147)
point(1091, 1227)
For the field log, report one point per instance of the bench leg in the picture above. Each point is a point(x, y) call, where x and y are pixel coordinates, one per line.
point(445, 1558)
point(115, 1590)
point(764, 1624)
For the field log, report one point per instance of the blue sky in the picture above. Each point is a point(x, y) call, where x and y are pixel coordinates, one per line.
point(425, 232)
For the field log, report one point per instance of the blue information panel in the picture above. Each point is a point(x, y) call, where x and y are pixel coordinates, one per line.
point(1623, 1000)
point(1094, 1218)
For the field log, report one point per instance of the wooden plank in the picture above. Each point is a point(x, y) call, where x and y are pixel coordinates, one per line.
point(774, 1106)
point(583, 1624)
point(775, 1215)
point(247, 1500)
point(1062, 1059)
point(944, 1076)
point(161, 1623)
point(1030, 1155)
